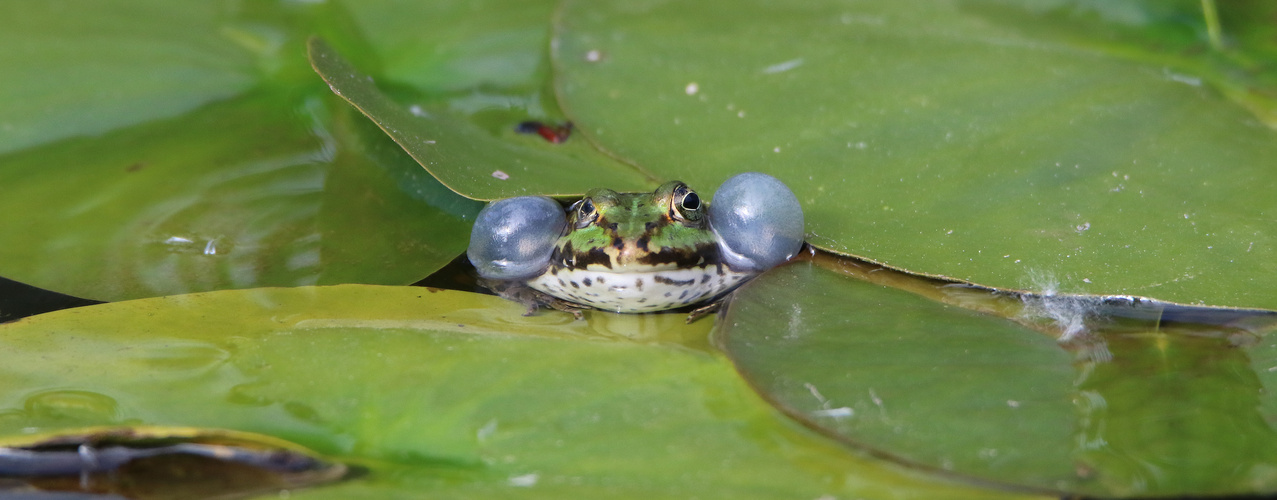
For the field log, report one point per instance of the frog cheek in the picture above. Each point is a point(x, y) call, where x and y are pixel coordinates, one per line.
point(757, 220)
point(514, 238)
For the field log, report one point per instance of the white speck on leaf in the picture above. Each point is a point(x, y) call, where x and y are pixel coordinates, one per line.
point(525, 481)
point(784, 66)
point(843, 412)
point(692, 88)
point(500, 175)
point(1181, 78)
point(487, 430)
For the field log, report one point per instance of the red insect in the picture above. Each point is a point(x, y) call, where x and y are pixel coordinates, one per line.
point(553, 133)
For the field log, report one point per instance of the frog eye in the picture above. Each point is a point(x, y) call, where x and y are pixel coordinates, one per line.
point(686, 205)
point(514, 238)
point(757, 221)
point(586, 212)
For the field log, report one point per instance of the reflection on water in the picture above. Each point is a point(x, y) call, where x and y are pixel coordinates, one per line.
point(157, 463)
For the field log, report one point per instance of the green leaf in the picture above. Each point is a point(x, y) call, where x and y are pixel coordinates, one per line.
point(461, 46)
point(438, 393)
point(965, 139)
point(152, 148)
point(266, 190)
point(1143, 409)
point(81, 68)
point(467, 158)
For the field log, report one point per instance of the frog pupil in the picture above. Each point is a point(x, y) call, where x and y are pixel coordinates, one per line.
point(691, 202)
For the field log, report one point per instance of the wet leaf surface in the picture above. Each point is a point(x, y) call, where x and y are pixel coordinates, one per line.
point(1058, 146)
point(172, 207)
point(965, 139)
point(75, 68)
point(1130, 408)
point(437, 393)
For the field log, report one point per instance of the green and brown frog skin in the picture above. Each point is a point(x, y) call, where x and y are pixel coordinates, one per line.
point(636, 252)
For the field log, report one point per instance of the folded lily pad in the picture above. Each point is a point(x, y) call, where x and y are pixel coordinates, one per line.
point(438, 393)
point(463, 155)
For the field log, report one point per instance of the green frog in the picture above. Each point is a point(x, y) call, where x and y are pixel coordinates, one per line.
point(636, 252)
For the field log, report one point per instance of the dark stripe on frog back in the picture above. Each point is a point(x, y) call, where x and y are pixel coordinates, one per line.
point(704, 254)
point(566, 258)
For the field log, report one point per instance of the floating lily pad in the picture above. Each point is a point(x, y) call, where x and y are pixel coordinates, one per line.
point(482, 48)
point(145, 140)
point(437, 393)
point(463, 155)
point(78, 69)
point(885, 370)
point(173, 207)
point(965, 139)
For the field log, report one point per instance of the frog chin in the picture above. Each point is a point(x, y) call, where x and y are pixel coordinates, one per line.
point(638, 292)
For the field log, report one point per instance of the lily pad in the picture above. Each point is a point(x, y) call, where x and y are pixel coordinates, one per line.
point(964, 139)
point(943, 387)
point(76, 69)
point(463, 155)
point(438, 393)
point(143, 134)
point(481, 49)
point(174, 206)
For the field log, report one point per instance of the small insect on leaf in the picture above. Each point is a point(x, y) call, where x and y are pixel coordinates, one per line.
point(553, 133)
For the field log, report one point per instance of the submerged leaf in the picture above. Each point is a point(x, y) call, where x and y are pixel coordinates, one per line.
point(1127, 406)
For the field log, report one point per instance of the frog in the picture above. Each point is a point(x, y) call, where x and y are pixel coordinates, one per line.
point(636, 252)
